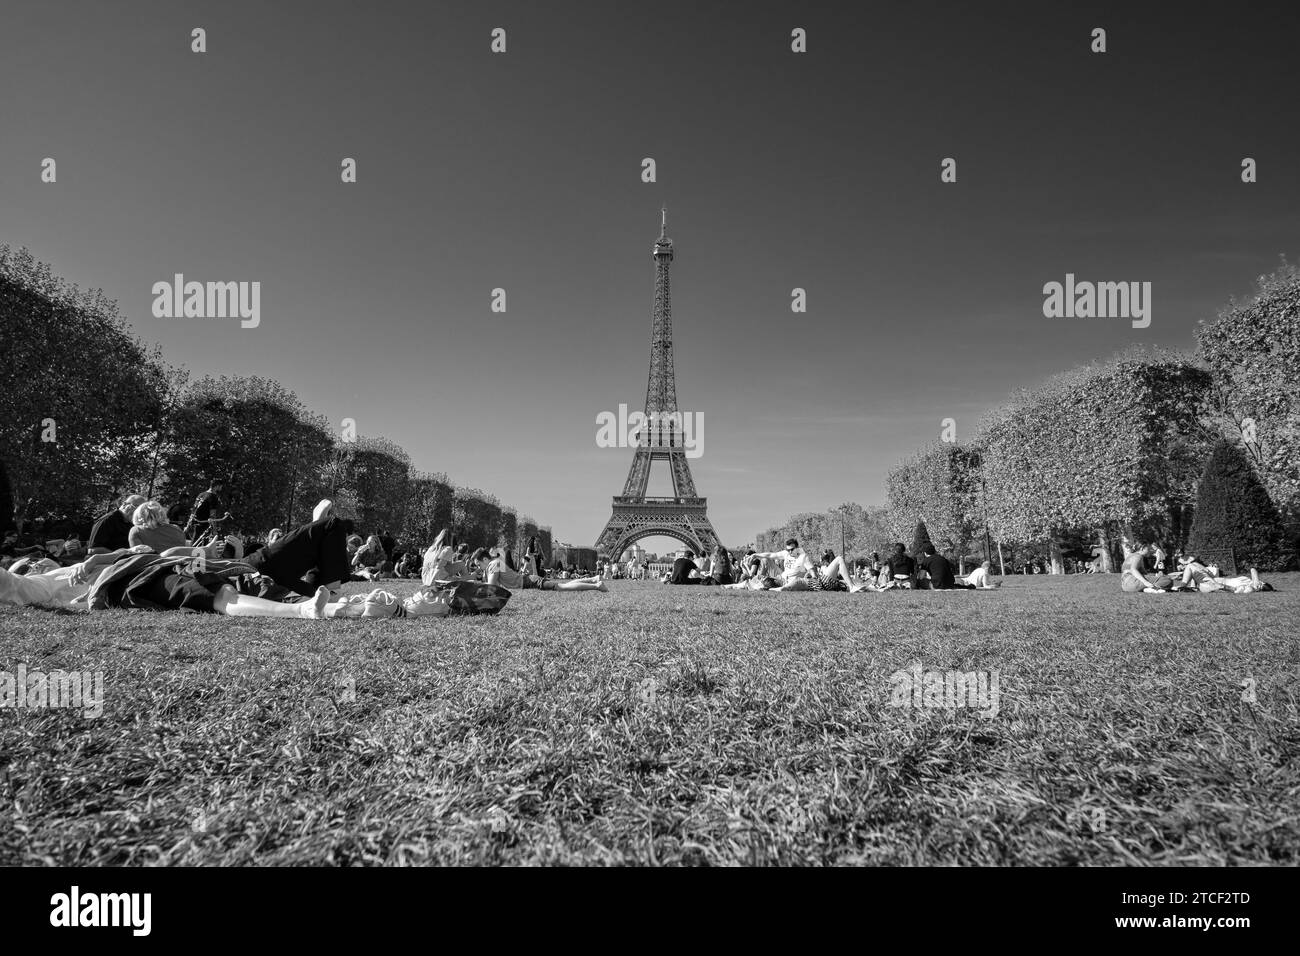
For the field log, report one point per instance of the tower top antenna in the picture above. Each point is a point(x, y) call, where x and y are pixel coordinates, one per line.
point(663, 245)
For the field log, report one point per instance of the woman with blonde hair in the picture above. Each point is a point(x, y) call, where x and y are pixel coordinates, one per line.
point(152, 529)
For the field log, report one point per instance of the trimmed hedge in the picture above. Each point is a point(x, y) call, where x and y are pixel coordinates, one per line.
point(1234, 510)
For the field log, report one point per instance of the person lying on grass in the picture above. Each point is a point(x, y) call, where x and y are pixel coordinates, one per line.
point(833, 575)
point(1193, 575)
point(137, 578)
point(309, 556)
point(501, 570)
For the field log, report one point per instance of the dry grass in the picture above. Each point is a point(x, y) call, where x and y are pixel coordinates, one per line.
point(534, 737)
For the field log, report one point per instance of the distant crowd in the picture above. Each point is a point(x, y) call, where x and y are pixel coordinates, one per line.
point(137, 556)
point(793, 569)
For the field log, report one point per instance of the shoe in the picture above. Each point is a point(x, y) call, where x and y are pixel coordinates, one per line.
point(322, 509)
point(425, 602)
point(380, 604)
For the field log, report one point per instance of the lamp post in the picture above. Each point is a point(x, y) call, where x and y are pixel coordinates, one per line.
point(984, 493)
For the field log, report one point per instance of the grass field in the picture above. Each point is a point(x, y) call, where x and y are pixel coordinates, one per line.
point(659, 725)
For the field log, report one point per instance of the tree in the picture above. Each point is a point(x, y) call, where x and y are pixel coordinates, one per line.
point(260, 440)
point(1115, 445)
point(812, 529)
point(527, 531)
point(377, 471)
point(79, 394)
point(476, 516)
point(1253, 352)
point(920, 539)
point(509, 528)
point(6, 501)
point(938, 488)
point(428, 508)
point(1234, 510)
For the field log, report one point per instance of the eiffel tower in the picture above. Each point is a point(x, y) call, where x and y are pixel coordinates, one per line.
point(684, 515)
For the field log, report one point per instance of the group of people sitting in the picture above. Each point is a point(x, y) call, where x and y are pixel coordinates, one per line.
point(793, 569)
point(449, 560)
point(1145, 570)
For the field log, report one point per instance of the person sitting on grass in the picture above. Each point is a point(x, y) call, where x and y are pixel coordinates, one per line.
point(1134, 577)
point(938, 568)
point(685, 571)
point(476, 566)
point(501, 570)
point(112, 532)
point(979, 580)
point(795, 566)
point(900, 569)
point(440, 565)
point(750, 574)
point(409, 564)
point(368, 561)
point(720, 569)
point(152, 528)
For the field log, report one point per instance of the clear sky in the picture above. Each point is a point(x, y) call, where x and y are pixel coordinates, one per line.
point(779, 170)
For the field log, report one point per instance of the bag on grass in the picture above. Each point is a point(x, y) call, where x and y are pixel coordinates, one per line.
point(471, 597)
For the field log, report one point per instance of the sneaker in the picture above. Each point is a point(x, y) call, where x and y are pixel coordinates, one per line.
point(425, 602)
point(380, 604)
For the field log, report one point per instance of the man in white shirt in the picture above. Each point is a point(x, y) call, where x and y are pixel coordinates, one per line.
point(794, 564)
point(979, 578)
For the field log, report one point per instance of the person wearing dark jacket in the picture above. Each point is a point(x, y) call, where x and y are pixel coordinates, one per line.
point(902, 569)
point(939, 569)
point(112, 531)
point(683, 567)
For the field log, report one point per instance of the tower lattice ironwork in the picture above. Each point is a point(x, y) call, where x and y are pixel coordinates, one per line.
point(683, 516)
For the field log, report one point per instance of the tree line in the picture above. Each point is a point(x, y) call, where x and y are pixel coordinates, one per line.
point(1194, 452)
point(89, 413)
